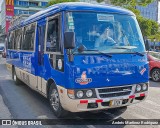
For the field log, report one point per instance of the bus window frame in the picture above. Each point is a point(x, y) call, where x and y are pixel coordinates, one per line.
point(9, 40)
point(19, 29)
point(34, 37)
point(59, 16)
point(20, 50)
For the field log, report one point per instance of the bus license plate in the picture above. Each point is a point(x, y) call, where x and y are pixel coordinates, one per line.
point(115, 103)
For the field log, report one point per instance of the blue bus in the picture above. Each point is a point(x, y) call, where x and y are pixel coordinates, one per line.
point(81, 56)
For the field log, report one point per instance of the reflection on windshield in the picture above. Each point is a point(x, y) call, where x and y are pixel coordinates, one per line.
point(110, 33)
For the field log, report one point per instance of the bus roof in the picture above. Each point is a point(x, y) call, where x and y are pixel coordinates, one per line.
point(75, 6)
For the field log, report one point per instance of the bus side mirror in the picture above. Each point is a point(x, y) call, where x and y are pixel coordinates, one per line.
point(69, 43)
point(69, 40)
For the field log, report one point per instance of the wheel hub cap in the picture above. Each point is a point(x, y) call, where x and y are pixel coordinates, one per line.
point(55, 99)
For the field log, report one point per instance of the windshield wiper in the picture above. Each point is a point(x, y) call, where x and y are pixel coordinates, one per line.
point(124, 47)
point(82, 48)
point(131, 47)
point(108, 55)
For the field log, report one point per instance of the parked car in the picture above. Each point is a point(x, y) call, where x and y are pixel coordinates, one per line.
point(154, 65)
point(4, 53)
point(1, 47)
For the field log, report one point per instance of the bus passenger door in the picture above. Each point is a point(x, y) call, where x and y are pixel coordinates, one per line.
point(41, 39)
point(54, 56)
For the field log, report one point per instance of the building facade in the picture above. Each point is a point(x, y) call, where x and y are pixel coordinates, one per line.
point(10, 8)
point(151, 11)
point(3, 16)
point(29, 6)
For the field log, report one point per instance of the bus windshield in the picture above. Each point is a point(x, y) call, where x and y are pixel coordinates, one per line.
point(108, 33)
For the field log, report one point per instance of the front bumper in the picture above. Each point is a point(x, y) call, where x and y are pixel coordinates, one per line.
point(81, 105)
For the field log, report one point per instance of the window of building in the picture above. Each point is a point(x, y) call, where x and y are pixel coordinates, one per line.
point(23, 3)
point(29, 37)
point(16, 12)
point(53, 41)
point(32, 12)
point(23, 12)
point(33, 3)
point(44, 4)
point(15, 2)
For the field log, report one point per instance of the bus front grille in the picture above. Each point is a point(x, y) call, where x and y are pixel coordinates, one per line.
point(114, 91)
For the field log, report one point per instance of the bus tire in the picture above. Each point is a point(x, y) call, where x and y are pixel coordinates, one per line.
point(55, 104)
point(15, 78)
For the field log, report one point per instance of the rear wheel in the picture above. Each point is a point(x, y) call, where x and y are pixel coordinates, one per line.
point(155, 74)
point(15, 78)
point(55, 102)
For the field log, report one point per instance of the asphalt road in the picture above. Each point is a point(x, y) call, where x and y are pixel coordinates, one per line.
point(24, 103)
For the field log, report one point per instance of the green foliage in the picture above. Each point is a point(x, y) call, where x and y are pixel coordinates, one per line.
point(155, 27)
point(155, 37)
point(51, 2)
point(148, 27)
point(145, 25)
point(135, 11)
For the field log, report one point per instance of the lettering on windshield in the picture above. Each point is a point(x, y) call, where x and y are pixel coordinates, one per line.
point(105, 17)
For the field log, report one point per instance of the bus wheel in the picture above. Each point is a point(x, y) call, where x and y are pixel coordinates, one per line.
point(55, 102)
point(15, 78)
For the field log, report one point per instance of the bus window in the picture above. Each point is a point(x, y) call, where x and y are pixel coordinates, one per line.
point(52, 44)
point(29, 37)
point(18, 36)
point(10, 40)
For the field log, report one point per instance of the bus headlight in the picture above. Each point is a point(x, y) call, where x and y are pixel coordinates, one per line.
point(71, 94)
point(79, 94)
point(89, 93)
point(144, 87)
point(138, 88)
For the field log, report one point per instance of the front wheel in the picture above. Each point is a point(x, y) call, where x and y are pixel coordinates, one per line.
point(155, 75)
point(55, 102)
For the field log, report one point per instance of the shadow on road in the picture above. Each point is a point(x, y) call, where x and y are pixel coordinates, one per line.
point(154, 84)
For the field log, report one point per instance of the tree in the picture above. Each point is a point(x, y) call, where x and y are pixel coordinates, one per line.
point(51, 2)
point(145, 25)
